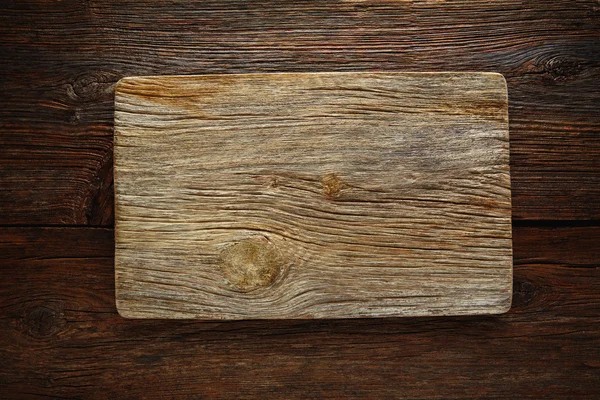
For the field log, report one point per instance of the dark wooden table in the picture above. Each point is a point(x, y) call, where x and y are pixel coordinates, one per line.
point(60, 334)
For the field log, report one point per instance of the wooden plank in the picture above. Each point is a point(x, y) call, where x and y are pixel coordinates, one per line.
point(60, 334)
point(61, 60)
point(323, 195)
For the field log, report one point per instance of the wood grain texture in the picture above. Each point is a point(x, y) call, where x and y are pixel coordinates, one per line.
point(61, 60)
point(323, 195)
point(61, 336)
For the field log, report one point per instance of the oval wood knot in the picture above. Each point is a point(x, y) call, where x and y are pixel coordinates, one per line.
point(332, 185)
point(250, 264)
point(43, 321)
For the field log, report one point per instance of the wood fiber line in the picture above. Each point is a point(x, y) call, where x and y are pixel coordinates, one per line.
point(324, 195)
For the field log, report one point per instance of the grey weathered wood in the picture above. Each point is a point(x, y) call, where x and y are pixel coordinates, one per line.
point(312, 195)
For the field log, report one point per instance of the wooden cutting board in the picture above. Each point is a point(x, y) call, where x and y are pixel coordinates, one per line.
point(312, 195)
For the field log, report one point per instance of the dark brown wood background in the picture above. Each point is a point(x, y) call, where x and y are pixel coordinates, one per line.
point(60, 335)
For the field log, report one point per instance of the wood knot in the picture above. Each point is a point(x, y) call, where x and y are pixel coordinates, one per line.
point(561, 68)
point(524, 293)
point(43, 321)
point(92, 86)
point(332, 186)
point(250, 264)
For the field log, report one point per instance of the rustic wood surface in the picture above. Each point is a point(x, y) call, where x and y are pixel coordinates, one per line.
point(61, 61)
point(60, 334)
point(312, 195)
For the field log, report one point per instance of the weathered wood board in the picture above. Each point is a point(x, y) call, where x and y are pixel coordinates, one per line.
point(312, 195)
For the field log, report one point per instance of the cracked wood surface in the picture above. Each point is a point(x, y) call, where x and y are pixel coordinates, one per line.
point(312, 195)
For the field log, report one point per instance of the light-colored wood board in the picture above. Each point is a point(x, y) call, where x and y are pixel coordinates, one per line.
point(312, 195)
